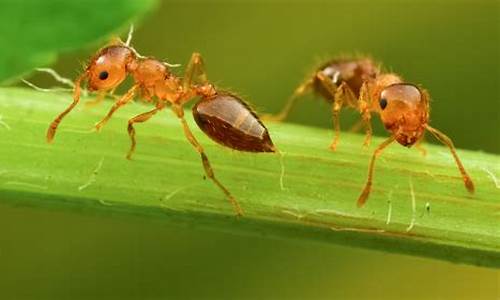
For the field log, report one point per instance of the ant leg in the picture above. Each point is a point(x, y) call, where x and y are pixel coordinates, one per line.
point(206, 164)
point(421, 148)
point(122, 101)
point(51, 131)
point(290, 103)
point(140, 119)
point(341, 93)
point(447, 141)
point(357, 126)
point(98, 100)
point(365, 113)
point(338, 95)
point(368, 186)
point(195, 72)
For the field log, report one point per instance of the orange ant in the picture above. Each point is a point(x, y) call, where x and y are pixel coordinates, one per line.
point(221, 115)
point(359, 83)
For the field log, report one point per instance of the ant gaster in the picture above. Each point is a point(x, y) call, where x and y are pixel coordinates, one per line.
point(360, 84)
point(221, 115)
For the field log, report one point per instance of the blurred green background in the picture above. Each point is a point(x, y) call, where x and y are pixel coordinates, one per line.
point(263, 49)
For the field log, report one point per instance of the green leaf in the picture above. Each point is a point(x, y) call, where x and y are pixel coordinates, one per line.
point(87, 172)
point(33, 32)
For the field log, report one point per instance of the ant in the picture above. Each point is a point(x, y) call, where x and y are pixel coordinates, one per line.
point(338, 82)
point(359, 83)
point(221, 115)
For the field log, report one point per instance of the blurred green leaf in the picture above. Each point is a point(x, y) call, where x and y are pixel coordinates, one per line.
point(33, 32)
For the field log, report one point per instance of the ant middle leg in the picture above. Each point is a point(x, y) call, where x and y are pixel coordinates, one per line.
point(178, 110)
point(129, 95)
point(365, 113)
point(140, 119)
point(338, 96)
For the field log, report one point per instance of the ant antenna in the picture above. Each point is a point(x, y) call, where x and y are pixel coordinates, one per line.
point(129, 40)
point(56, 76)
point(40, 89)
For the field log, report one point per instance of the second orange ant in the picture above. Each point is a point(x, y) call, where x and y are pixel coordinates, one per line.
point(360, 84)
point(221, 115)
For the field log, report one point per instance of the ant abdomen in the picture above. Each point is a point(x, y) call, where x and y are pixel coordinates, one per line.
point(229, 121)
point(354, 72)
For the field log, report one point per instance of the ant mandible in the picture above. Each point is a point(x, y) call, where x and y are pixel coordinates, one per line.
point(221, 115)
point(360, 84)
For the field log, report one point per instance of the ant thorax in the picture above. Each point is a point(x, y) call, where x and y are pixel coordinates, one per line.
point(152, 76)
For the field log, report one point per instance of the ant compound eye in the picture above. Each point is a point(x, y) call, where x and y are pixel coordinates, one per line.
point(383, 103)
point(103, 75)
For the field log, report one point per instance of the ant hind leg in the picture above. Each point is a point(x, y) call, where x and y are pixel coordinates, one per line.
point(206, 164)
point(195, 71)
point(290, 103)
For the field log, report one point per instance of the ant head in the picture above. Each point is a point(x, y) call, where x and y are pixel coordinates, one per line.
point(403, 109)
point(109, 67)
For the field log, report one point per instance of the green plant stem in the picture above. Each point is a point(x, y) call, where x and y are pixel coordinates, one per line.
point(88, 172)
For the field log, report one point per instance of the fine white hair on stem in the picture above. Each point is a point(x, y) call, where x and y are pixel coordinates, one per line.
point(493, 177)
point(413, 207)
point(93, 176)
point(5, 125)
point(282, 173)
point(389, 211)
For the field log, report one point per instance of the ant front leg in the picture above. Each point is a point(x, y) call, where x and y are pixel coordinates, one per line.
point(98, 100)
point(368, 186)
point(121, 102)
point(365, 113)
point(443, 138)
point(140, 119)
point(178, 110)
point(195, 72)
point(51, 131)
